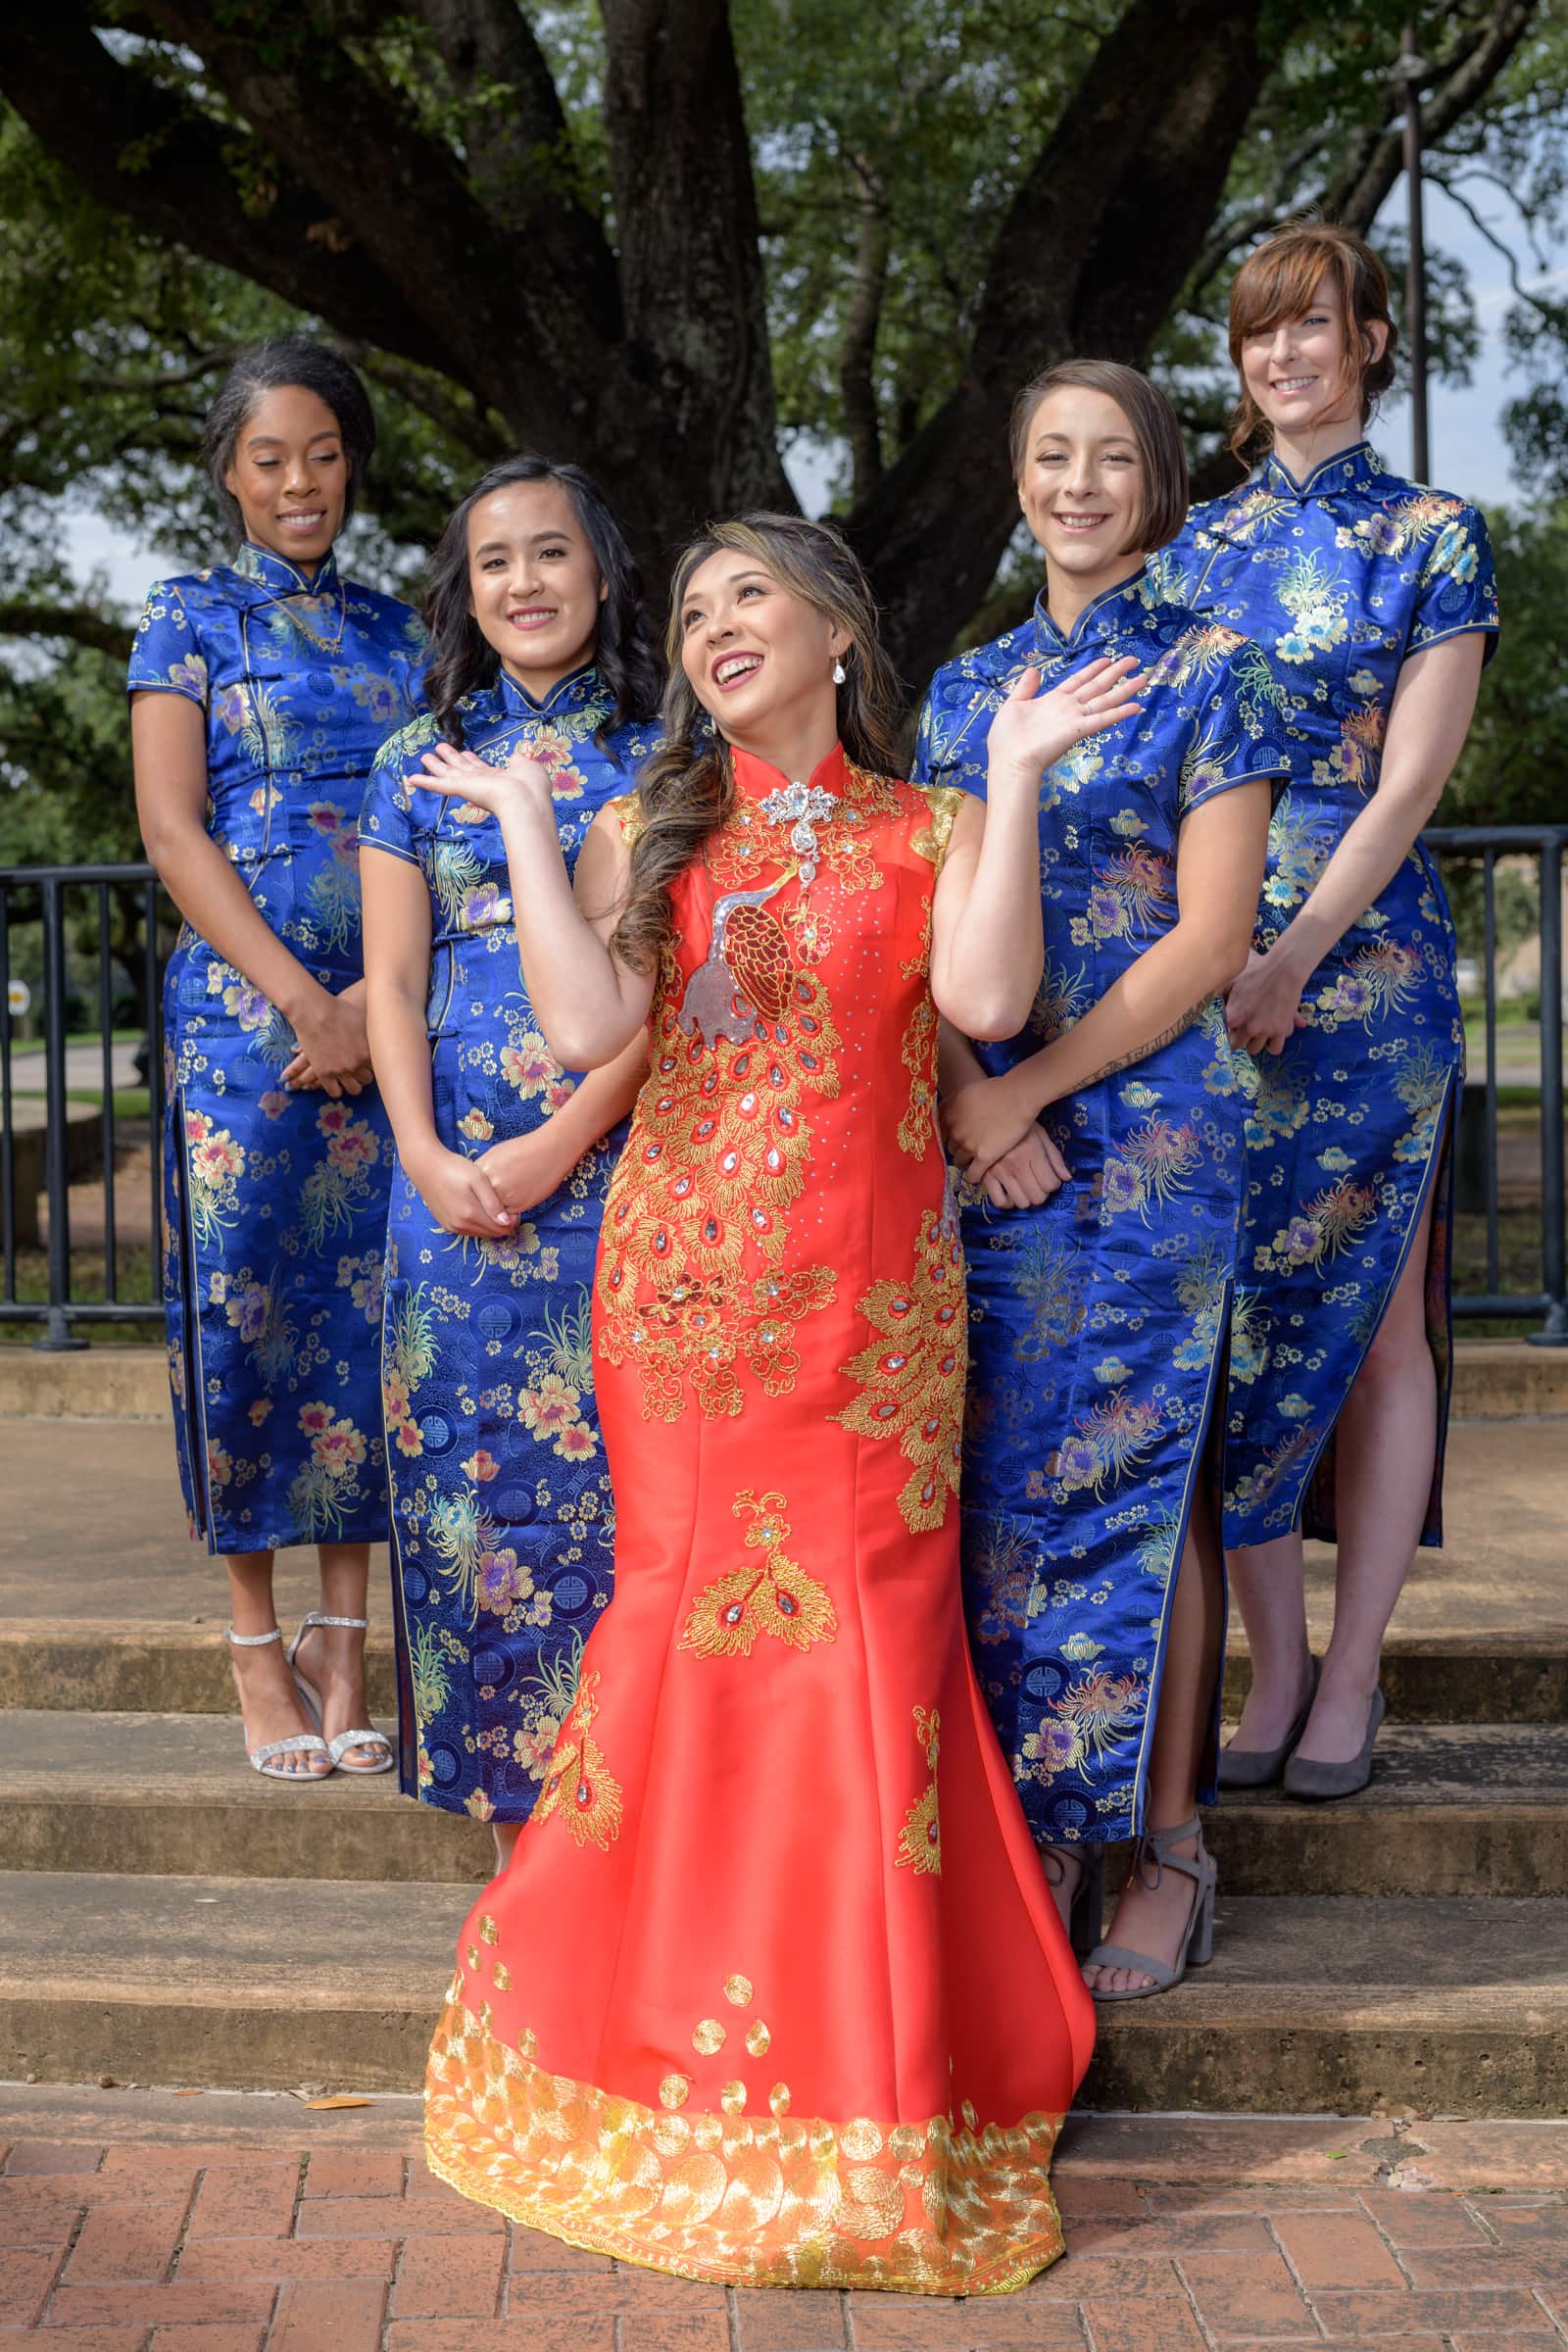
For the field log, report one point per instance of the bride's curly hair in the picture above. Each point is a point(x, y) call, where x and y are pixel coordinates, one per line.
point(687, 789)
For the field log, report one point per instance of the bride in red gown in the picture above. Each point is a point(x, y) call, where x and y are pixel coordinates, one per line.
point(772, 1991)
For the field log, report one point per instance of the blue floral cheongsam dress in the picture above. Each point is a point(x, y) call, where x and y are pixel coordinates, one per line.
point(503, 1530)
point(1097, 1321)
point(1341, 579)
point(276, 1202)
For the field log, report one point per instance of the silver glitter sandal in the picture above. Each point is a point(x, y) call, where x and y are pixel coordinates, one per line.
point(337, 1747)
point(299, 1743)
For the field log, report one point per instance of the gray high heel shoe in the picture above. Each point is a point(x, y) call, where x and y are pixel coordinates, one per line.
point(1086, 1914)
point(1197, 1941)
point(1261, 1767)
point(262, 1759)
point(1305, 1777)
point(337, 1747)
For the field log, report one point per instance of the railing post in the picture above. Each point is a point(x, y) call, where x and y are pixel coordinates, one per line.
point(57, 1133)
point(1553, 1232)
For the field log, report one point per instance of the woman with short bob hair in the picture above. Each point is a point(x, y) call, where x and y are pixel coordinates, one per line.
point(259, 691)
point(744, 2005)
point(1103, 1145)
point(1374, 598)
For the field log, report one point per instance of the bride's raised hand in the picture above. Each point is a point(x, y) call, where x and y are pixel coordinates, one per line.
point(1032, 730)
point(464, 776)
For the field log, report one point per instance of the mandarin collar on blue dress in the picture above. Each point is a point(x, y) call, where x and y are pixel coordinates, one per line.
point(1108, 614)
point(572, 693)
point(1348, 469)
point(264, 570)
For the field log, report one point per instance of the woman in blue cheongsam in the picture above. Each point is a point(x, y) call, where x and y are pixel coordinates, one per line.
point(1374, 598)
point(1102, 1246)
point(503, 1530)
point(259, 691)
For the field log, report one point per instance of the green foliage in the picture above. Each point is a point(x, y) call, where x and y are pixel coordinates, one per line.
point(1514, 768)
point(887, 144)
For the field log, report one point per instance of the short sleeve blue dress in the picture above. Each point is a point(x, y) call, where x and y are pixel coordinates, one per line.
point(276, 1202)
point(1340, 579)
point(503, 1529)
point(1097, 1321)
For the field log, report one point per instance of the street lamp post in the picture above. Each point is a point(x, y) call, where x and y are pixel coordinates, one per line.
point(1409, 72)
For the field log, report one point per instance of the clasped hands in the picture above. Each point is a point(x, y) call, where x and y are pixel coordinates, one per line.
point(998, 1143)
point(485, 1197)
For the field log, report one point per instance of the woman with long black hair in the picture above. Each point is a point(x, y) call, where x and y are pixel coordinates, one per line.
point(501, 1520)
point(260, 690)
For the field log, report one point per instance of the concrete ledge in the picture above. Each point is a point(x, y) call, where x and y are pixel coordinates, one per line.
point(1453, 1810)
point(1309, 2007)
point(1503, 1380)
point(1494, 1380)
point(94, 1384)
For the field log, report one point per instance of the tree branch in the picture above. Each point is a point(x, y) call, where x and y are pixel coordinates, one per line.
point(691, 268)
point(139, 149)
point(1464, 73)
point(21, 616)
point(862, 315)
point(1093, 252)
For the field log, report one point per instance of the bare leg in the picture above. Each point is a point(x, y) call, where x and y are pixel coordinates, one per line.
point(331, 1657)
point(506, 1834)
point(1387, 1442)
point(1268, 1584)
point(1155, 1919)
point(270, 1704)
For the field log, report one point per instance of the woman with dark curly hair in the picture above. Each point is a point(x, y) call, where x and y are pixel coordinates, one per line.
point(746, 2003)
point(260, 690)
point(501, 1520)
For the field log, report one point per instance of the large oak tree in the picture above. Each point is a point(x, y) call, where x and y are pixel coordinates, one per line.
point(666, 236)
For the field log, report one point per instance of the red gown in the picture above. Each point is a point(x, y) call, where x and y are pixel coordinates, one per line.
point(772, 1991)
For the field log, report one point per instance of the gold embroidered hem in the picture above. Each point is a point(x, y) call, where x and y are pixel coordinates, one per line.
point(748, 2201)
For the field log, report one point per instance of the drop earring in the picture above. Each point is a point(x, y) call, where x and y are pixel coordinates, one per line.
point(838, 671)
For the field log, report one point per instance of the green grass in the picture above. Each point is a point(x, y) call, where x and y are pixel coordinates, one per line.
point(81, 1037)
point(135, 1284)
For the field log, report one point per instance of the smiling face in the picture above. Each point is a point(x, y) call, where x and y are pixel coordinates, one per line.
point(1082, 486)
point(290, 476)
point(758, 658)
point(1301, 374)
point(534, 585)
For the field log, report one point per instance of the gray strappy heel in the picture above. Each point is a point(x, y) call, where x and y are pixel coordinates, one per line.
point(1198, 1943)
point(337, 1747)
point(299, 1743)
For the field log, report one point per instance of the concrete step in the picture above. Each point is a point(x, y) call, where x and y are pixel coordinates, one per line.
point(163, 1666)
point(1454, 1810)
point(1310, 2006)
point(1492, 1380)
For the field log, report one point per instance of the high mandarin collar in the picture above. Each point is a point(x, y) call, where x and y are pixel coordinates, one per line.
point(1348, 469)
point(569, 693)
point(1108, 614)
point(264, 570)
point(755, 779)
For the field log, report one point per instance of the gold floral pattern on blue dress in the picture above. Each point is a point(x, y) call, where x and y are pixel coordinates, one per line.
point(276, 1202)
point(1342, 578)
point(1097, 1320)
point(503, 1530)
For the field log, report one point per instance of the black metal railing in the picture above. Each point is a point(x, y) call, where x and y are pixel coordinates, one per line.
point(71, 912)
point(1482, 845)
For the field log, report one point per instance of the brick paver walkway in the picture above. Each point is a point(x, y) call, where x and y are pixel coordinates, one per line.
point(1347, 2236)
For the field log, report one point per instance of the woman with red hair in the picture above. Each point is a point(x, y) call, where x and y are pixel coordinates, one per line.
point(1374, 598)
